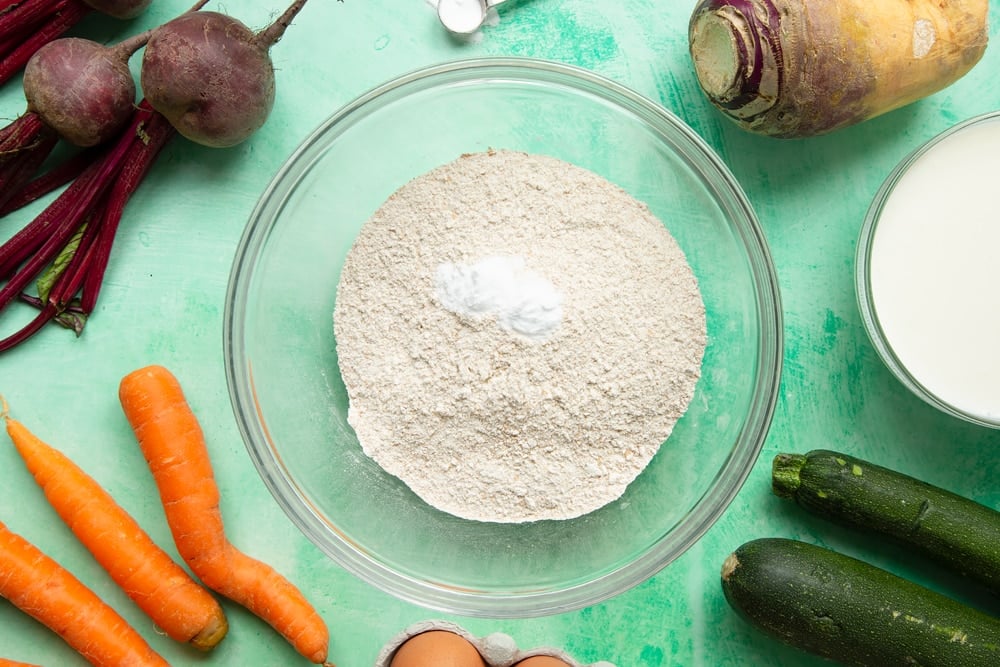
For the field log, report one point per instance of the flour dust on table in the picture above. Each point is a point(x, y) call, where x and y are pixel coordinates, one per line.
point(517, 336)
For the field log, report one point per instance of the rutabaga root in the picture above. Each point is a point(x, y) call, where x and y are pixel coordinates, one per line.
point(797, 68)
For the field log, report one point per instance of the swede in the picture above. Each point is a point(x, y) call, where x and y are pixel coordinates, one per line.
point(211, 76)
point(798, 68)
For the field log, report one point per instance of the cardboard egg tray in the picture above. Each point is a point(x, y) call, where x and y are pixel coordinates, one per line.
point(497, 649)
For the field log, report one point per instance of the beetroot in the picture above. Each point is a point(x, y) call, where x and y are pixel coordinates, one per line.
point(66, 248)
point(28, 25)
point(76, 89)
point(212, 76)
point(81, 89)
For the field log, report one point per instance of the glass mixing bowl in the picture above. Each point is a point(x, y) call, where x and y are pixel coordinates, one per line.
point(281, 357)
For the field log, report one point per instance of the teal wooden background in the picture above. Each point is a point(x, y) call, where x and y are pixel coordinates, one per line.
point(163, 303)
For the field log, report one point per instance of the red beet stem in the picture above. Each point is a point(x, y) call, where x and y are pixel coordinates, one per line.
point(7, 45)
point(47, 313)
point(153, 135)
point(70, 13)
point(46, 252)
point(24, 145)
point(71, 274)
point(96, 198)
point(20, 134)
point(125, 48)
point(28, 240)
point(70, 210)
point(21, 17)
point(54, 178)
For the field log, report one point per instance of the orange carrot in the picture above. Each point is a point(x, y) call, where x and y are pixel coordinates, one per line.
point(174, 446)
point(4, 662)
point(43, 589)
point(180, 607)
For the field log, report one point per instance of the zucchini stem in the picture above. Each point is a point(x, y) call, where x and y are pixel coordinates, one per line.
point(785, 474)
point(729, 566)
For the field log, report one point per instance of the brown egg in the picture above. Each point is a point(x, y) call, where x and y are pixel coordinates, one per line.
point(437, 648)
point(542, 661)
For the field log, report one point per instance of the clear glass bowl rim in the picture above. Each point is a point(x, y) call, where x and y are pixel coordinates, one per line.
point(727, 482)
point(862, 275)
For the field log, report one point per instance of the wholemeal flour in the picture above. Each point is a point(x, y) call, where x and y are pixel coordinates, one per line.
point(489, 423)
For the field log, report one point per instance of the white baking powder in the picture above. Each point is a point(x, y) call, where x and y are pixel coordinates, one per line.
point(503, 288)
point(481, 419)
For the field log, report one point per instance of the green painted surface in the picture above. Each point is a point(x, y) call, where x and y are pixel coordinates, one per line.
point(163, 303)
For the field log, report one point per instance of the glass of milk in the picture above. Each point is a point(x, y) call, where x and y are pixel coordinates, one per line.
point(928, 271)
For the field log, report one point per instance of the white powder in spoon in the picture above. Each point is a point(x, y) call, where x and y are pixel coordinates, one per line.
point(545, 388)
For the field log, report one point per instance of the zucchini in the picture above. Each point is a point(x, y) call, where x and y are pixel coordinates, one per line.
point(957, 532)
point(844, 609)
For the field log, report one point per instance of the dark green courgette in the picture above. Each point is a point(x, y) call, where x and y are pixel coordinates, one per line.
point(957, 532)
point(844, 609)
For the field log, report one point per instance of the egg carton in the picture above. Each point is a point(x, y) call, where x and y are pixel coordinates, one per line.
point(498, 649)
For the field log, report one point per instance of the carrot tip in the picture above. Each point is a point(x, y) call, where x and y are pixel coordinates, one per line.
point(208, 638)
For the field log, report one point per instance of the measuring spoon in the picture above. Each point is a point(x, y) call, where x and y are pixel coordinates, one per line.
point(464, 17)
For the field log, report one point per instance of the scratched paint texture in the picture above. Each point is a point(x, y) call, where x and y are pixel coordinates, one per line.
point(163, 303)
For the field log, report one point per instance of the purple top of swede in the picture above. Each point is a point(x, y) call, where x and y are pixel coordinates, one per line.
point(757, 47)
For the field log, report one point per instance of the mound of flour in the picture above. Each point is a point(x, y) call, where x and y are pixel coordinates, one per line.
point(482, 420)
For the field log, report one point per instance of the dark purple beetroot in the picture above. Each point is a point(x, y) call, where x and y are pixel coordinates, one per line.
point(211, 76)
